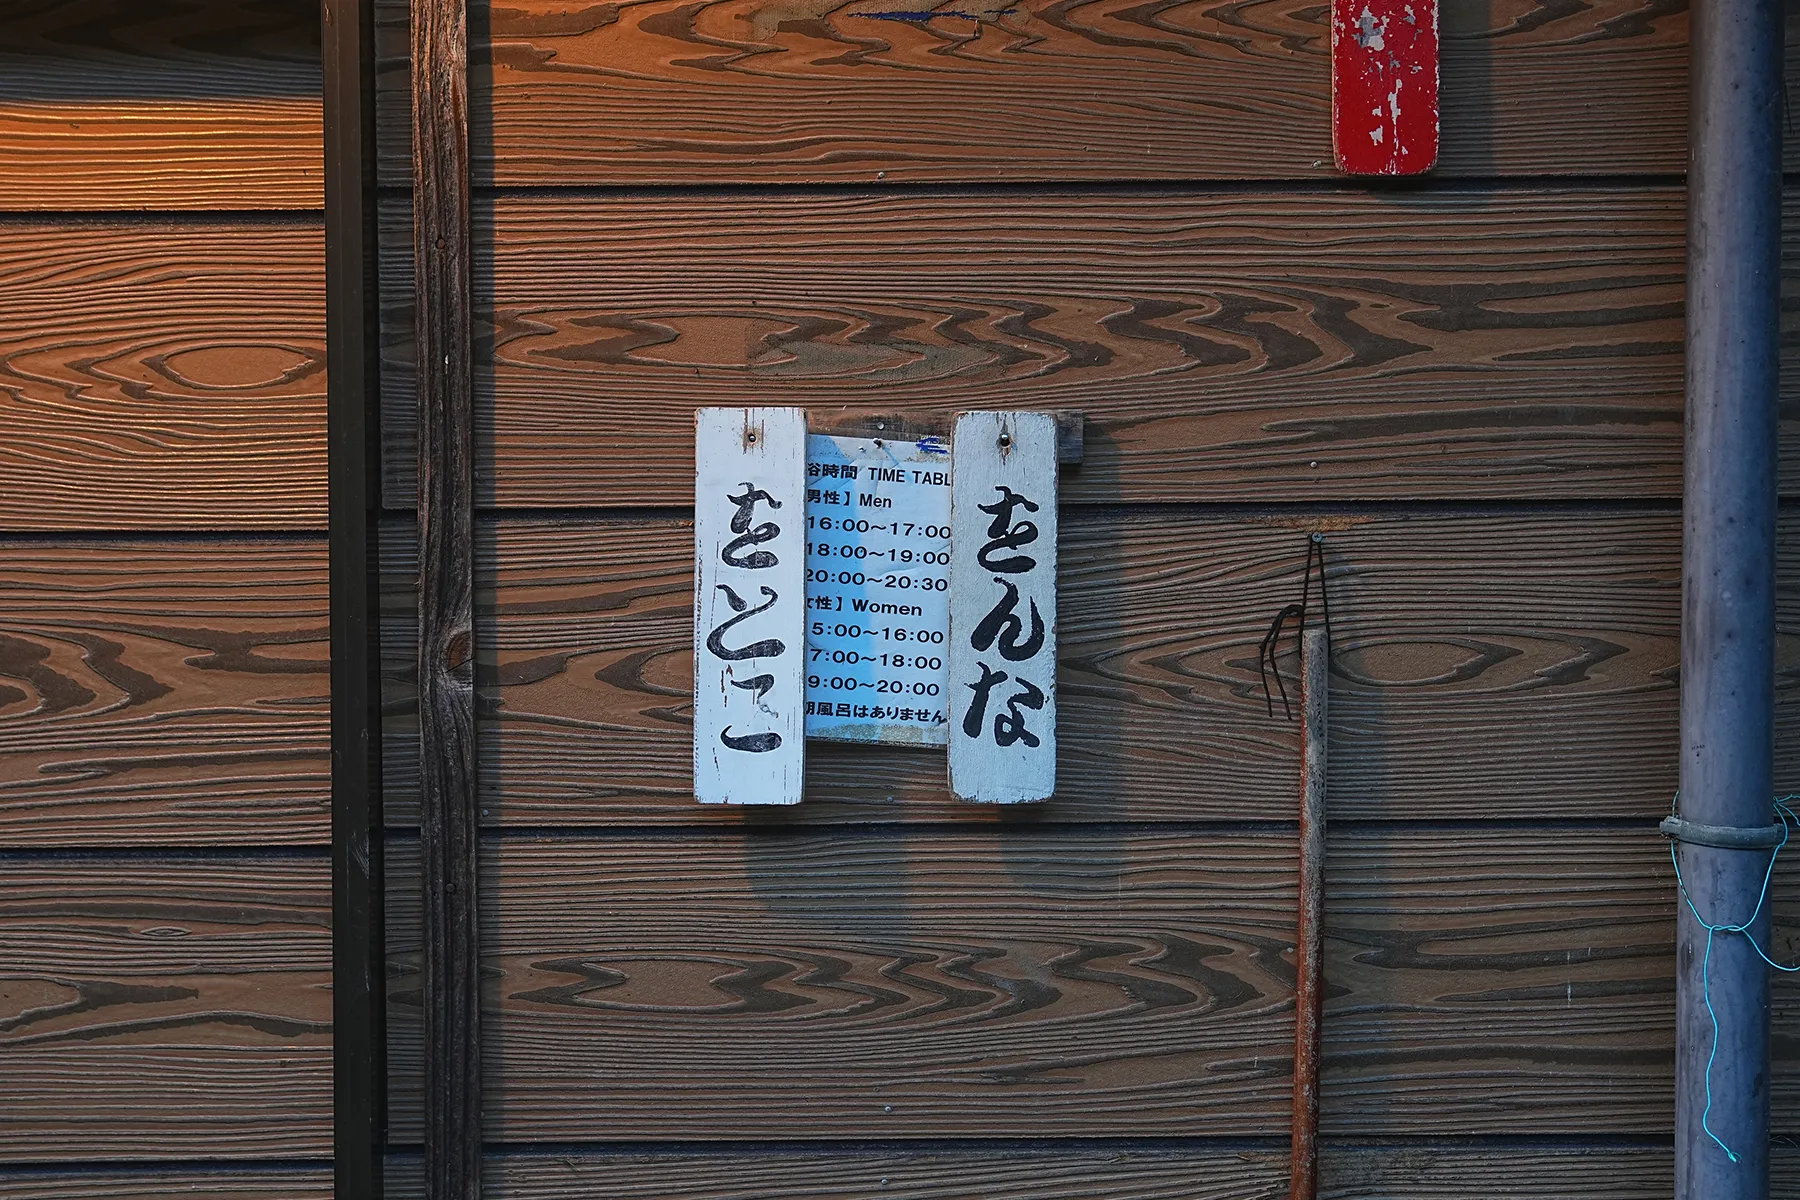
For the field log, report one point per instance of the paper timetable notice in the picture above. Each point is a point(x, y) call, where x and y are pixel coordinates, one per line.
point(877, 589)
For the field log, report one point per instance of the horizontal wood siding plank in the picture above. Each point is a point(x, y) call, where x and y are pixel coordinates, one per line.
point(1427, 1172)
point(115, 104)
point(162, 376)
point(177, 1183)
point(1127, 1174)
point(778, 91)
point(172, 1008)
point(163, 691)
point(1403, 1172)
point(1505, 664)
point(1788, 386)
point(1224, 346)
point(1094, 982)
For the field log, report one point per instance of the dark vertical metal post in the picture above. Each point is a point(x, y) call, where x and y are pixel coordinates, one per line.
point(1309, 948)
point(1728, 586)
point(359, 1060)
point(448, 833)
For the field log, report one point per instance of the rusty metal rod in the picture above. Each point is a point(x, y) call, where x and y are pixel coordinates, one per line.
point(1309, 975)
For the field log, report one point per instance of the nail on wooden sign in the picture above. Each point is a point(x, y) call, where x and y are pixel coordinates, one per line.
point(749, 605)
point(1384, 86)
point(1003, 607)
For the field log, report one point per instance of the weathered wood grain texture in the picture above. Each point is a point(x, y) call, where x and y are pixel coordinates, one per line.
point(172, 1183)
point(1784, 1024)
point(162, 376)
point(163, 691)
point(1425, 1172)
point(1093, 982)
point(1788, 386)
point(774, 90)
point(1398, 1172)
point(165, 1008)
point(445, 645)
point(806, 1173)
point(1784, 1171)
point(1225, 346)
point(117, 104)
point(1518, 665)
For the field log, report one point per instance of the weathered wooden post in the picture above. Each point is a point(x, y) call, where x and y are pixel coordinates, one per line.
point(353, 417)
point(448, 833)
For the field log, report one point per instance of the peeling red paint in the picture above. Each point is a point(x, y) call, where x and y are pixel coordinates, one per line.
point(1384, 86)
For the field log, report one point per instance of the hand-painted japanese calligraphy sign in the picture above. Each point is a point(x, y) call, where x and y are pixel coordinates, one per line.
point(1003, 607)
point(870, 589)
point(877, 589)
point(749, 605)
point(1384, 86)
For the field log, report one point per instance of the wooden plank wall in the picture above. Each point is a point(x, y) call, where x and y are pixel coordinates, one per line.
point(1471, 384)
point(165, 922)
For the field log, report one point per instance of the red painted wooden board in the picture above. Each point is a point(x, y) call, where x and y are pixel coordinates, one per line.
point(1384, 86)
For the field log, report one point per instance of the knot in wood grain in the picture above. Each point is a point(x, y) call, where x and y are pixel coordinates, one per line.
point(456, 654)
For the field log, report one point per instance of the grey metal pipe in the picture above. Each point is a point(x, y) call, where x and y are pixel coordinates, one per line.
point(1728, 586)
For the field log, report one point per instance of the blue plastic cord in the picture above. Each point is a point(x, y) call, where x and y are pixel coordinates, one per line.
point(1788, 819)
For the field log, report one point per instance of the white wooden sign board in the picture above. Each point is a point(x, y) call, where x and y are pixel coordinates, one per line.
point(1003, 607)
point(877, 589)
point(749, 605)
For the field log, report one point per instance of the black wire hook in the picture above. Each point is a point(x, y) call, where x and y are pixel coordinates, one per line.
point(1265, 652)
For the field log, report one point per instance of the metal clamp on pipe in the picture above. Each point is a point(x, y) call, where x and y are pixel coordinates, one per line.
point(1725, 837)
